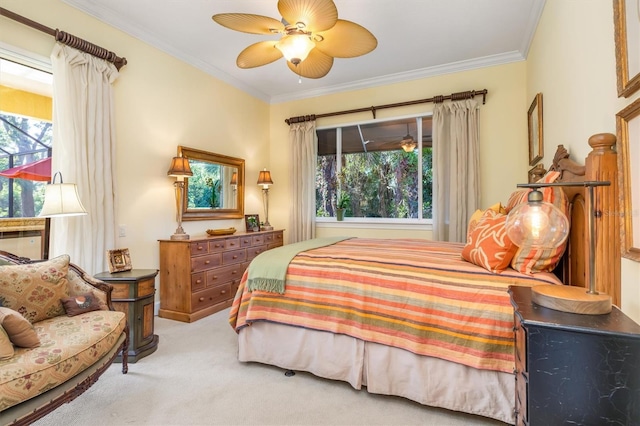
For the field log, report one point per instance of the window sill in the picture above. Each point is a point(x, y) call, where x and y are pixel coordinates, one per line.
point(362, 223)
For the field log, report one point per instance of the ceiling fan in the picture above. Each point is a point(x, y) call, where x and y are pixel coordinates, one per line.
point(312, 35)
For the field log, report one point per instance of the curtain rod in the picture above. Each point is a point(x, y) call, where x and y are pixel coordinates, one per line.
point(68, 39)
point(436, 99)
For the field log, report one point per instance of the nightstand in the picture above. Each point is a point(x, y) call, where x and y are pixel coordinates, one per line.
point(133, 293)
point(574, 368)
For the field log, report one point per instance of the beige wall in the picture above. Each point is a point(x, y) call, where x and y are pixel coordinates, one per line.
point(161, 103)
point(572, 62)
point(503, 131)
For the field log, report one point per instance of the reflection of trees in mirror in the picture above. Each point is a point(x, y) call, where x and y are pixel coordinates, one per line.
point(205, 190)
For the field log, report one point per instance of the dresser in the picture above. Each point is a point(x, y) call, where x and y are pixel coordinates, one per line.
point(133, 293)
point(573, 368)
point(200, 276)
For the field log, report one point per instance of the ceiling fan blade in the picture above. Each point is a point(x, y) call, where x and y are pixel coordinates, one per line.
point(317, 15)
point(346, 40)
point(258, 54)
point(317, 65)
point(248, 23)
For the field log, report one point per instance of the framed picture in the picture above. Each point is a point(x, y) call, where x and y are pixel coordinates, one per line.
point(628, 146)
point(252, 222)
point(626, 21)
point(534, 116)
point(119, 260)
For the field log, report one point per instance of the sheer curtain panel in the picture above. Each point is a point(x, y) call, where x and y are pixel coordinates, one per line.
point(456, 166)
point(84, 152)
point(304, 148)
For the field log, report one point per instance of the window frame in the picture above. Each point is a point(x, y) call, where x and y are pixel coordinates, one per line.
point(374, 222)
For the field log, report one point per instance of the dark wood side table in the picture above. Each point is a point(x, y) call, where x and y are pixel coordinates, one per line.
point(574, 369)
point(133, 293)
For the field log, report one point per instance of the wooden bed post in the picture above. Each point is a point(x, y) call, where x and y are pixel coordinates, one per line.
point(602, 165)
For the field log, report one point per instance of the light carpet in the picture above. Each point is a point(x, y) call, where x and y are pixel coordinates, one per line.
point(195, 378)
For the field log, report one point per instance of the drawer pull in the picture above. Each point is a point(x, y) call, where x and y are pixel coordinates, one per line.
point(200, 247)
point(232, 244)
point(235, 256)
point(198, 281)
point(218, 245)
point(201, 299)
point(245, 241)
point(234, 272)
point(223, 292)
point(206, 262)
point(215, 277)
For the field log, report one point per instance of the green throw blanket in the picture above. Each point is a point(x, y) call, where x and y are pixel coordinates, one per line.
point(268, 270)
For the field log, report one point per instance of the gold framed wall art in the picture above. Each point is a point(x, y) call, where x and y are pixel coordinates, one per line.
point(626, 20)
point(534, 120)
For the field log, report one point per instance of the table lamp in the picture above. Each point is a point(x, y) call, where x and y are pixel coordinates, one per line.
point(538, 224)
point(264, 179)
point(179, 169)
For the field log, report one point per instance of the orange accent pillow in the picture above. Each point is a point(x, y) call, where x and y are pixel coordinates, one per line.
point(488, 244)
point(475, 217)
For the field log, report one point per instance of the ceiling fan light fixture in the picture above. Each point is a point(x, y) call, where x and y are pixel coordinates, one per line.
point(408, 144)
point(295, 47)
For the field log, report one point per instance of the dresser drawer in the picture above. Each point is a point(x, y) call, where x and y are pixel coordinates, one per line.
point(202, 263)
point(199, 247)
point(234, 256)
point(224, 274)
point(245, 241)
point(197, 281)
point(216, 246)
point(211, 296)
point(254, 251)
point(257, 240)
point(232, 244)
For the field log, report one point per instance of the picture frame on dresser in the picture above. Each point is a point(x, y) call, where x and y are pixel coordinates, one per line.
point(252, 222)
point(534, 124)
point(628, 147)
point(626, 19)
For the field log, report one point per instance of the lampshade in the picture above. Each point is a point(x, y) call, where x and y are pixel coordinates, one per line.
point(234, 178)
point(407, 143)
point(264, 178)
point(295, 47)
point(537, 224)
point(180, 167)
point(61, 199)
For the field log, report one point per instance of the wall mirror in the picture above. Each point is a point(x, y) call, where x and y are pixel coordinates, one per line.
point(216, 189)
point(628, 123)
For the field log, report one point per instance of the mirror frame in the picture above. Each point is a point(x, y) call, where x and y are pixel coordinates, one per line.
point(213, 214)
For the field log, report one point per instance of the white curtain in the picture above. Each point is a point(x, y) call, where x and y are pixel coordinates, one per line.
point(84, 153)
point(302, 172)
point(456, 167)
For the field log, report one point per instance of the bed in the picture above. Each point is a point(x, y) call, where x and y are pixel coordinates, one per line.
point(410, 317)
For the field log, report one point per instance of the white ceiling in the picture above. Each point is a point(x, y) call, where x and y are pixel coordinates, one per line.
point(416, 39)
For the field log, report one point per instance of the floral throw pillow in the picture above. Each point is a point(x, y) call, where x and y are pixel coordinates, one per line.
point(488, 244)
point(35, 289)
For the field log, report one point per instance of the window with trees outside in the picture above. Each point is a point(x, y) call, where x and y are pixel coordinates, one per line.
point(26, 132)
point(376, 170)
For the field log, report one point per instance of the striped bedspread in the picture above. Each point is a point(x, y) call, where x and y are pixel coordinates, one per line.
point(417, 295)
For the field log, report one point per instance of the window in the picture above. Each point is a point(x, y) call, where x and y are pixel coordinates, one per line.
point(25, 135)
point(25, 139)
point(365, 165)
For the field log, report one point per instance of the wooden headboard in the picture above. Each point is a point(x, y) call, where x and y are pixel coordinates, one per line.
point(600, 165)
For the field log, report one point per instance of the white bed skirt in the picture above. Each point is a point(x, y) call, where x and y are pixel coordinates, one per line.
point(382, 369)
